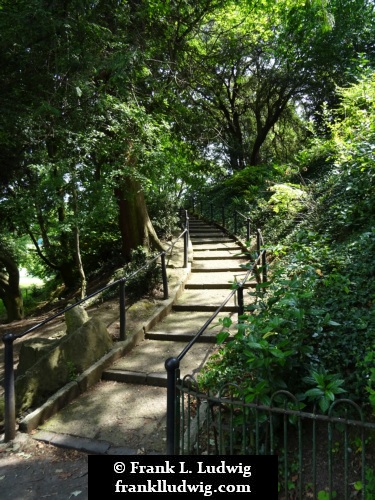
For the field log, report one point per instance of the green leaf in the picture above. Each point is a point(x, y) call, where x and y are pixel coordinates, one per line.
point(227, 322)
point(221, 337)
point(269, 334)
point(324, 404)
point(329, 395)
point(333, 323)
point(358, 486)
point(315, 392)
point(254, 345)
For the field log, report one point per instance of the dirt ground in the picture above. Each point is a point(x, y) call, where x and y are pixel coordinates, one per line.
point(31, 469)
point(34, 470)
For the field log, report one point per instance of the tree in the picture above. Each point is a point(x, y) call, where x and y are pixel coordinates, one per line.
point(10, 292)
point(254, 63)
point(59, 88)
point(105, 104)
point(86, 90)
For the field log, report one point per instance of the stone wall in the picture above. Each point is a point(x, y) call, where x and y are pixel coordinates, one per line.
point(60, 362)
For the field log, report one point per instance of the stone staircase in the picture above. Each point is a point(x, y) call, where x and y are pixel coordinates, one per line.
point(128, 407)
point(217, 264)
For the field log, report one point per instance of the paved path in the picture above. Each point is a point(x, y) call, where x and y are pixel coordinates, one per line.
point(124, 412)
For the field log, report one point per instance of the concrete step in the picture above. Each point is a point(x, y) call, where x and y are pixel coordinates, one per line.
point(198, 233)
point(179, 326)
point(212, 244)
point(198, 242)
point(217, 253)
point(201, 226)
point(146, 366)
point(118, 418)
point(208, 300)
point(220, 277)
point(210, 266)
point(217, 286)
point(204, 307)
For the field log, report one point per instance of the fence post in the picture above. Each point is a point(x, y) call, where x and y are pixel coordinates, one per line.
point(171, 365)
point(122, 311)
point(164, 274)
point(223, 215)
point(186, 244)
point(235, 222)
point(10, 400)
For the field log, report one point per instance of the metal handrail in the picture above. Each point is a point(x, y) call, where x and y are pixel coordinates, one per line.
point(172, 364)
point(9, 338)
point(211, 215)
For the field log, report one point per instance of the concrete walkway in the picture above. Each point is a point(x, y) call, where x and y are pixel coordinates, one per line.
point(119, 406)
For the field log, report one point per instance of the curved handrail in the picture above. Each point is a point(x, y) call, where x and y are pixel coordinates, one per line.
point(242, 215)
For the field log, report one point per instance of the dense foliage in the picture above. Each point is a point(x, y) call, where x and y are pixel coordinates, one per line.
point(113, 113)
point(311, 329)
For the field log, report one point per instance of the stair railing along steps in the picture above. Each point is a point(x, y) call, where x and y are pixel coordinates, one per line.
point(215, 267)
point(216, 264)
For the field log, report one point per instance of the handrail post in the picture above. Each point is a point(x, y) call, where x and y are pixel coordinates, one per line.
point(223, 215)
point(9, 397)
point(258, 242)
point(171, 365)
point(240, 302)
point(122, 311)
point(264, 266)
point(235, 222)
point(186, 244)
point(248, 229)
point(164, 275)
point(186, 240)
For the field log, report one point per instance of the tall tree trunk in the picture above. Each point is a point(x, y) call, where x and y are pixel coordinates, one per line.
point(263, 129)
point(81, 271)
point(135, 225)
point(10, 292)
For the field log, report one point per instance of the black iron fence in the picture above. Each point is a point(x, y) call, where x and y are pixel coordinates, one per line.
point(120, 284)
point(320, 456)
